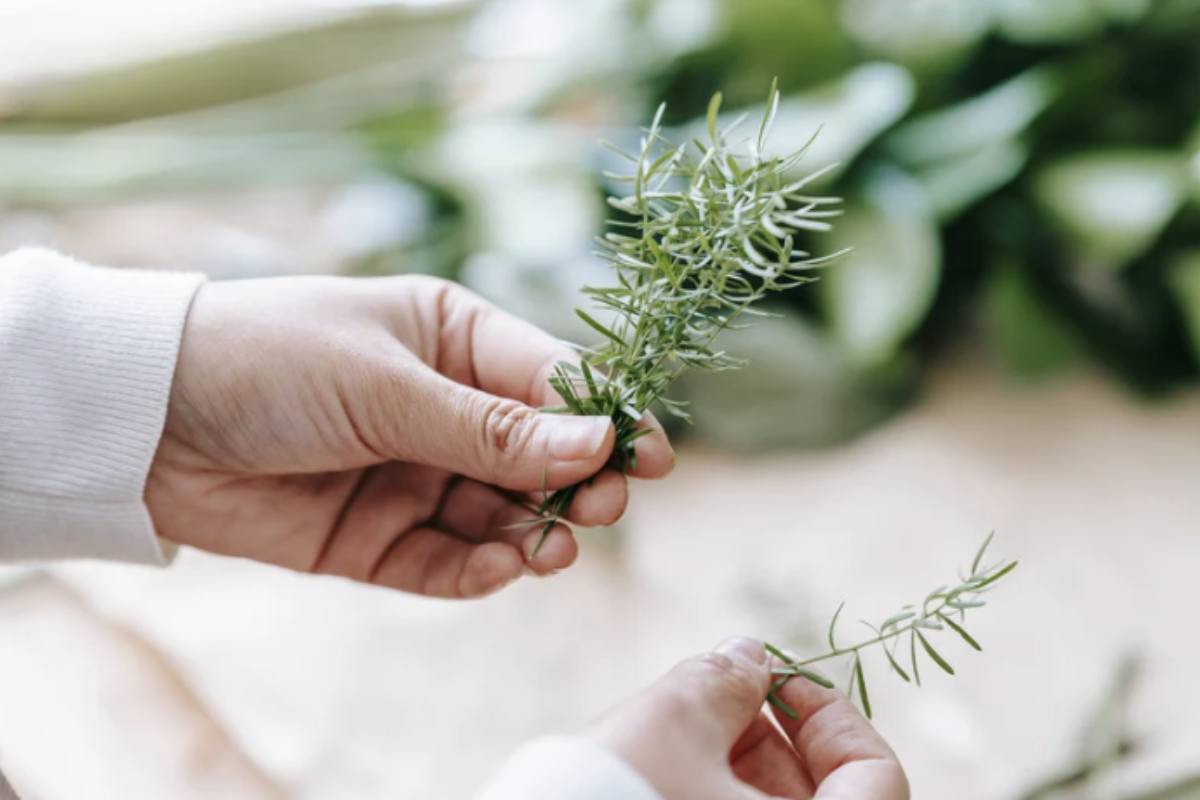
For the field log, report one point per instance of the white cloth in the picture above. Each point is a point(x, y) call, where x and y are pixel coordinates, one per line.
point(87, 356)
point(86, 361)
point(562, 768)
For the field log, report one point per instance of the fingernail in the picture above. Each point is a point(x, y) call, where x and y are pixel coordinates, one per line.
point(743, 648)
point(577, 438)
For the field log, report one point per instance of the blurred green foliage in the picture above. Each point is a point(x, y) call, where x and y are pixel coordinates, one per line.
point(1043, 179)
point(1022, 171)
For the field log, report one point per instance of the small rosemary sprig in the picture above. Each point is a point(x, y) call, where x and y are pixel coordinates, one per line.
point(935, 613)
point(705, 232)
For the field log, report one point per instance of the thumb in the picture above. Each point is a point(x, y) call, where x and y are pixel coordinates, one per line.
point(502, 441)
point(723, 691)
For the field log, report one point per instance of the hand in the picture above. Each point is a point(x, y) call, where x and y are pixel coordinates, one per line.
point(700, 733)
point(385, 430)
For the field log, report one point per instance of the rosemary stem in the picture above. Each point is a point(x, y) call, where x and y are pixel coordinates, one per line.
point(883, 637)
point(935, 614)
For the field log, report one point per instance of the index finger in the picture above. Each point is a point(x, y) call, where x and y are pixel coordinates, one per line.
point(845, 756)
point(496, 352)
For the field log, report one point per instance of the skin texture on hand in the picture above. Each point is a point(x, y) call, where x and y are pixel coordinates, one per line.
point(700, 733)
point(385, 430)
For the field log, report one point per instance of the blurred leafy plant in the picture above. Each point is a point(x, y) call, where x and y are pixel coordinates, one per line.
point(706, 231)
point(936, 613)
point(1056, 146)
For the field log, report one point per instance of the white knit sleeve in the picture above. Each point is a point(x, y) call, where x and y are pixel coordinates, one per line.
point(562, 768)
point(87, 356)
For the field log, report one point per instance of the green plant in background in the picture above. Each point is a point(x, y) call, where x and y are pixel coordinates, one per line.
point(936, 612)
point(1040, 175)
point(706, 232)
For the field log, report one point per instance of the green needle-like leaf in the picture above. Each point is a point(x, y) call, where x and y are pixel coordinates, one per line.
point(586, 317)
point(833, 625)
point(807, 674)
point(937, 658)
point(979, 555)
point(896, 665)
point(968, 638)
point(775, 651)
point(787, 710)
point(912, 654)
point(995, 576)
point(862, 687)
point(714, 108)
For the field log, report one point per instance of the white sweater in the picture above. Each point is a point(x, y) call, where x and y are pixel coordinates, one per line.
point(87, 357)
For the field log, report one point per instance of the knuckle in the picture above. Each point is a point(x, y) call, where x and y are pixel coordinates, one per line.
point(428, 283)
point(445, 296)
point(507, 426)
point(735, 678)
point(721, 666)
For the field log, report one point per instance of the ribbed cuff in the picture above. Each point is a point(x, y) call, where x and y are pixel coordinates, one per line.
point(566, 768)
point(87, 356)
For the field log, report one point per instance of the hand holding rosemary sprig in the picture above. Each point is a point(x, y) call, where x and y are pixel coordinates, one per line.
point(935, 613)
point(706, 231)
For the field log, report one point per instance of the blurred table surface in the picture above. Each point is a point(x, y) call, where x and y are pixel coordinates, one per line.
point(226, 679)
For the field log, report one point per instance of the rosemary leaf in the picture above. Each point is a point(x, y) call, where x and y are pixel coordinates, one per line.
point(832, 625)
point(787, 710)
point(912, 654)
point(979, 555)
point(937, 658)
point(862, 686)
point(968, 638)
point(990, 579)
point(896, 665)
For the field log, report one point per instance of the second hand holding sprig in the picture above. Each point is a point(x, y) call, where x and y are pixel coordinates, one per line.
point(708, 231)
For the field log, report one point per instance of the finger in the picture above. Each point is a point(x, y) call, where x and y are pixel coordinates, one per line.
point(844, 755)
point(717, 695)
point(655, 456)
point(490, 349)
point(600, 500)
point(480, 513)
point(497, 440)
point(764, 759)
point(433, 562)
point(386, 500)
point(482, 346)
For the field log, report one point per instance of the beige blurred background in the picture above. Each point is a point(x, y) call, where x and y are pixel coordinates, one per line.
point(1012, 346)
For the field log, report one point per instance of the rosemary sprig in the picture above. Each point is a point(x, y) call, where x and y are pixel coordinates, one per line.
point(706, 231)
point(935, 613)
